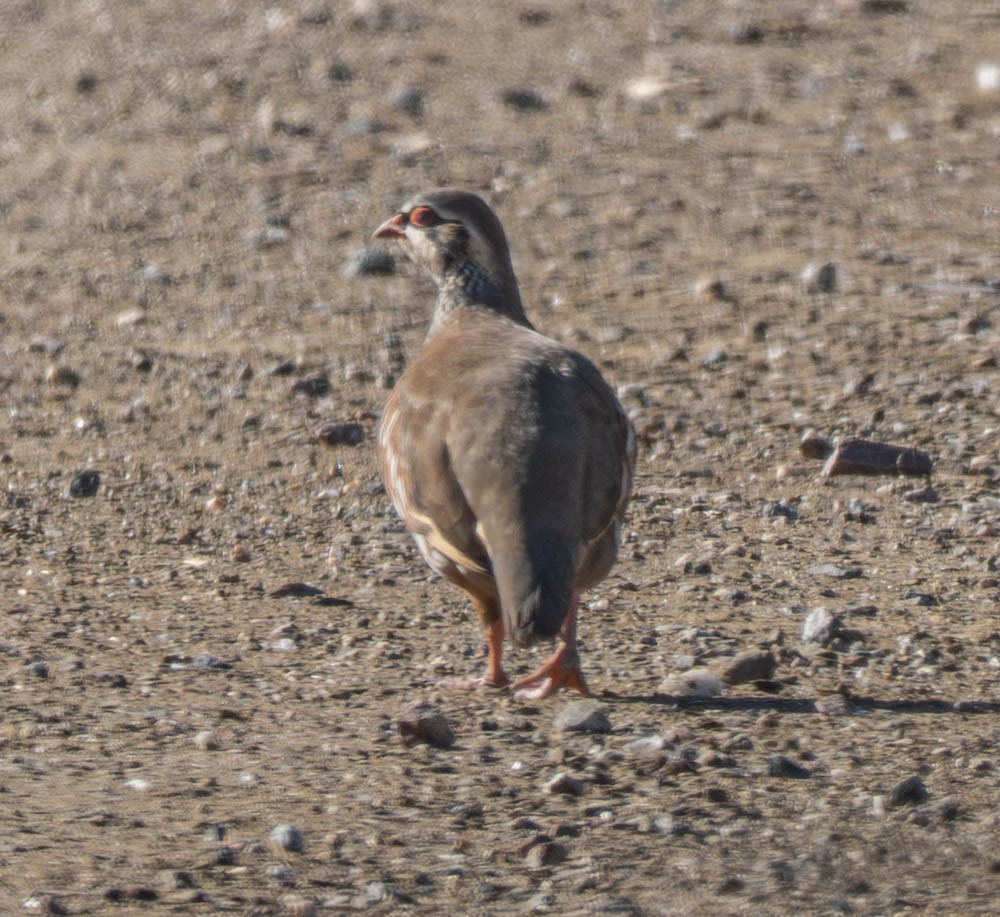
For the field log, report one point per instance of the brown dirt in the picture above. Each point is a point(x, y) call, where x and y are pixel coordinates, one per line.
point(181, 186)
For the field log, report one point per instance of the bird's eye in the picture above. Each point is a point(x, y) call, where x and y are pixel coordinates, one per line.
point(423, 217)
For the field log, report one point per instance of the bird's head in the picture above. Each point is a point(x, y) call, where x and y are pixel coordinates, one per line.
point(457, 237)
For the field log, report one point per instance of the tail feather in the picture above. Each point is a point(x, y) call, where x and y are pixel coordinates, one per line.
point(536, 589)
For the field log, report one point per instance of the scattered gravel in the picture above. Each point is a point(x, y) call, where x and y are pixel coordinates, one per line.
point(771, 227)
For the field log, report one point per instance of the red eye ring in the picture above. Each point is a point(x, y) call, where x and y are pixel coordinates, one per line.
point(422, 217)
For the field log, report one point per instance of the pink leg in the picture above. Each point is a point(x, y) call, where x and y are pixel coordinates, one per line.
point(495, 676)
point(562, 669)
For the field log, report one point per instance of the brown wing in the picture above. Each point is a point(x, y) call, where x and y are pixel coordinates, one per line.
point(420, 481)
point(613, 472)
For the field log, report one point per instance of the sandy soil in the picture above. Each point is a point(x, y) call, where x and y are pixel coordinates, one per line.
point(205, 662)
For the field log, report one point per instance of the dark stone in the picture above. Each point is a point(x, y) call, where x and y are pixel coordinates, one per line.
point(909, 791)
point(783, 766)
point(85, 484)
point(341, 434)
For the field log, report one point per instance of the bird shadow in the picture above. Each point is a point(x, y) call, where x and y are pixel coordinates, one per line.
point(765, 704)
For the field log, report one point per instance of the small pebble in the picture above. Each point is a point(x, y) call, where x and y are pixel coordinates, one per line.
point(783, 766)
point(49, 346)
point(62, 376)
point(565, 784)
point(684, 761)
point(711, 288)
point(907, 792)
point(341, 434)
point(525, 100)
point(699, 683)
point(422, 723)
point(287, 837)
point(315, 386)
point(224, 855)
point(834, 571)
point(922, 495)
point(267, 237)
point(947, 809)
point(281, 368)
point(779, 509)
point(87, 82)
point(298, 590)
point(48, 905)
point(408, 99)
point(988, 77)
point(879, 7)
point(646, 90)
point(820, 278)
point(855, 145)
point(668, 824)
point(645, 745)
point(298, 906)
point(750, 665)
point(205, 740)
point(177, 879)
point(130, 317)
point(215, 833)
point(582, 716)
point(547, 854)
point(820, 626)
point(540, 903)
point(281, 873)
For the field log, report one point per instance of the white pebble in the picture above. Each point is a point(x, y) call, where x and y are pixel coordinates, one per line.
point(205, 740)
point(134, 316)
point(700, 683)
point(898, 132)
point(819, 626)
point(287, 837)
point(646, 89)
point(988, 77)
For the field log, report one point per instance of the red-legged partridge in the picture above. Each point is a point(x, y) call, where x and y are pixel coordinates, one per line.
point(506, 453)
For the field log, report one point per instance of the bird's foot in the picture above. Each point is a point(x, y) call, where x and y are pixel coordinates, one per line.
point(562, 670)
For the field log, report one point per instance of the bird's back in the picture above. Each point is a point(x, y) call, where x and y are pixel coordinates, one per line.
point(520, 462)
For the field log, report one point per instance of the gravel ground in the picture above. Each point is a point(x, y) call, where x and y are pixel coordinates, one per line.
point(764, 222)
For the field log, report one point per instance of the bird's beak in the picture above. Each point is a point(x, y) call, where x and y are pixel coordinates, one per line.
point(392, 228)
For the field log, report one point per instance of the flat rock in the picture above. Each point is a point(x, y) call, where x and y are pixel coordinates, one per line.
point(783, 766)
point(565, 784)
point(820, 626)
point(700, 683)
point(750, 665)
point(422, 723)
point(834, 571)
point(582, 716)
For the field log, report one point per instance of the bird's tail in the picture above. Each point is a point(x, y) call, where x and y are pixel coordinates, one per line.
point(536, 589)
